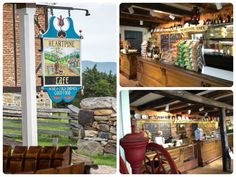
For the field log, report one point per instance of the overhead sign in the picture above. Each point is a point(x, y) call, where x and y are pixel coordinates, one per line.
point(61, 60)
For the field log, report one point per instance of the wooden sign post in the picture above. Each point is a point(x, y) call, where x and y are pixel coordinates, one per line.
point(26, 13)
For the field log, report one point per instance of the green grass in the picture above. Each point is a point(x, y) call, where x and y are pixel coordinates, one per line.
point(109, 160)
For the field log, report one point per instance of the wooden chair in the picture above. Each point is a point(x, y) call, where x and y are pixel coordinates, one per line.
point(46, 156)
point(31, 158)
point(64, 170)
point(6, 157)
point(160, 162)
point(78, 168)
point(46, 171)
point(62, 156)
point(17, 159)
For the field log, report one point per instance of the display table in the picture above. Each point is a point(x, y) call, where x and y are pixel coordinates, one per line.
point(151, 73)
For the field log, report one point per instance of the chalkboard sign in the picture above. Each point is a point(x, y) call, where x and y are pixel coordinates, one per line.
point(174, 38)
point(155, 127)
point(165, 41)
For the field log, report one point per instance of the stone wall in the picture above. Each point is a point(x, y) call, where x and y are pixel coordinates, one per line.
point(14, 100)
point(98, 119)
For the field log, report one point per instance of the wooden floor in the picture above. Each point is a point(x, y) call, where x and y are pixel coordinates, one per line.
point(213, 168)
point(125, 82)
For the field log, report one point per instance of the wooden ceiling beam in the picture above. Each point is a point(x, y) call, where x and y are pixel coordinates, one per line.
point(206, 109)
point(194, 109)
point(217, 93)
point(186, 96)
point(126, 22)
point(137, 94)
point(155, 103)
point(228, 100)
point(143, 18)
point(164, 8)
point(217, 113)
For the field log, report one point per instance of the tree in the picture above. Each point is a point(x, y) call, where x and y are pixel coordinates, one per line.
point(96, 84)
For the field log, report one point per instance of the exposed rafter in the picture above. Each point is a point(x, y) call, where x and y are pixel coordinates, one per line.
point(164, 8)
point(186, 96)
point(154, 103)
point(137, 94)
point(142, 17)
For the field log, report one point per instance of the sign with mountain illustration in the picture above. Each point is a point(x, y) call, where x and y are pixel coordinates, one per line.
point(61, 60)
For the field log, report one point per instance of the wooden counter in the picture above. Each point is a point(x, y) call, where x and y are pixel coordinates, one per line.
point(155, 74)
point(185, 156)
point(208, 151)
point(128, 65)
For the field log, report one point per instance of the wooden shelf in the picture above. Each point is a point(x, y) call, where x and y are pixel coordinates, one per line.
point(172, 121)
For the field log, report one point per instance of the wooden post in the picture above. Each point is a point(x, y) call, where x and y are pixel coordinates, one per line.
point(70, 126)
point(224, 142)
point(26, 13)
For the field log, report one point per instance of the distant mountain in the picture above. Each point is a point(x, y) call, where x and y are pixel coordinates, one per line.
point(101, 66)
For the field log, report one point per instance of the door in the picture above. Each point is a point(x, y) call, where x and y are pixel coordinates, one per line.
point(135, 38)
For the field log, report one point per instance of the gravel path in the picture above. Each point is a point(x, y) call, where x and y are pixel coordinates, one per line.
point(102, 169)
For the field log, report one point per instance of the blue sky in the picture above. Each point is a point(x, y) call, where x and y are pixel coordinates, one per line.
point(99, 30)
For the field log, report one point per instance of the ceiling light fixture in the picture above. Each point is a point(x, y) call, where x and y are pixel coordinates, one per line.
point(167, 108)
point(201, 109)
point(141, 22)
point(172, 17)
point(189, 111)
point(131, 10)
point(152, 13)
point(218, 6)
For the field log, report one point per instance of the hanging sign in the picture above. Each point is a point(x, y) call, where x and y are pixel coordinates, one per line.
point(61, 60)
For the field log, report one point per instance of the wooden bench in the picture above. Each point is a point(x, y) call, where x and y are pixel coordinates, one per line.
point(69, 169)
point(40, 160)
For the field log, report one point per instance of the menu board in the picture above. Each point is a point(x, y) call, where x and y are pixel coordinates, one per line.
point(174, 38)
point(155, 127)
point(168, 40)
point(165, 41)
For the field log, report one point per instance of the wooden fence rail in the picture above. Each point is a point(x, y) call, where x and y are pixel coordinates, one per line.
point(56, 122)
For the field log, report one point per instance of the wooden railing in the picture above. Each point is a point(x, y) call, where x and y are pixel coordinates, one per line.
point(64, 120)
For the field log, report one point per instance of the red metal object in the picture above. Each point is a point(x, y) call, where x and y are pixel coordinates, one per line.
point(159, 163)
point(135, 147)
point(123, 168)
